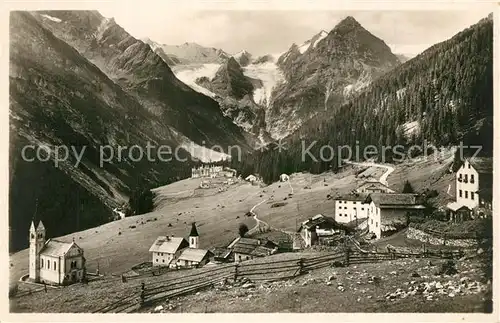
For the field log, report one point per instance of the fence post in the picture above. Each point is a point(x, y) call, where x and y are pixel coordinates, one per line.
point(236, 265)
point(143, 287)
point(347, 251)
point(301, 266)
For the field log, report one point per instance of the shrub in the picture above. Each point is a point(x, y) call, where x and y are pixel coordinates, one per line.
point(408, 188)
point(242, 230)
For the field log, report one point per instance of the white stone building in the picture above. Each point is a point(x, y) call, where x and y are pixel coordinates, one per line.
point(206, 171)
point(165, 250)
point(474, 189)
point(53, 261)
point(351, 207)
point(474, 182)
point(387, 213)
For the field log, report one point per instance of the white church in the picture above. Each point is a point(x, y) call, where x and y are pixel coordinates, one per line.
point(52, 261)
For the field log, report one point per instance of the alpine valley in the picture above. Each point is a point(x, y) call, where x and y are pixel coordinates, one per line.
point(78, 79)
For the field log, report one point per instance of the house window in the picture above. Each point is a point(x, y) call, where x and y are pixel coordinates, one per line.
point(460, 177)
point(472, 179)
point(239, 258)
point(465, 178)
point(376, 224)
point(466, 194)
point(42, 264)
point(48, 264)
point(468, 166)
point(460, 193)
point(362, 209)
point(163, 260)
point(345, 207)
point(472, 195)
point(156, 259)
point(372, 221)
point(55, 266)
point(248, 257)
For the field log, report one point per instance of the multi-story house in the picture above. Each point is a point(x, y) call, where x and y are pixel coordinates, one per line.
point(351, 207)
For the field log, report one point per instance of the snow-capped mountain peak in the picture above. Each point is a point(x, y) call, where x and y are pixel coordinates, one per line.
point(243, 57)
point(312, 42)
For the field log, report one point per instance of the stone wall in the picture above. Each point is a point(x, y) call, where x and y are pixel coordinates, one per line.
point(420, 235)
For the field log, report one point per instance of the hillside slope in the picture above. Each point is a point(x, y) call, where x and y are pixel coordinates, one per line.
point(138, 70)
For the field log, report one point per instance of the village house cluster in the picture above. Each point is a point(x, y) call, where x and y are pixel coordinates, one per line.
point(177, 252)
point(212, 171)
point(383, 210)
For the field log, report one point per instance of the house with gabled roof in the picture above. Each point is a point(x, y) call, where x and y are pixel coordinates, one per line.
point(474, 188)
point(191, 257)
point(248, 248)
point(175, 252)
point(319, 227)
point(373, 186)
point(388, 212)
point(54, 261)
point(165, 250)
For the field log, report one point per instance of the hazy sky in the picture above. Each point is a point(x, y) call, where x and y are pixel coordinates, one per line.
point(263, 32)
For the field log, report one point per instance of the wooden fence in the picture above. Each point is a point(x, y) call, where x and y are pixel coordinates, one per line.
point(152, 293)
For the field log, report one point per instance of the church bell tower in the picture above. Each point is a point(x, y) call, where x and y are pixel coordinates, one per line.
point(37, 241)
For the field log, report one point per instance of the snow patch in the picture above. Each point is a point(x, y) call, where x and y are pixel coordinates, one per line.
point(54, 19)
point(269, 74)
point(189, 73)
point(321, 36)
point(304, 47)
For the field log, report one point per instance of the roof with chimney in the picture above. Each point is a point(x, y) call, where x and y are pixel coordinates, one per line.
point(168, 244)
point(391, 200)
point(194, 231)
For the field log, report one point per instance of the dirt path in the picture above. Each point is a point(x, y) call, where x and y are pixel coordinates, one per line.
point(259, 221)
point(383, 178)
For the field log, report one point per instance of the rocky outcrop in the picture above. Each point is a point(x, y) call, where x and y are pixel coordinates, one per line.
point(243, 58)
point(234, 93)
point(325, 71)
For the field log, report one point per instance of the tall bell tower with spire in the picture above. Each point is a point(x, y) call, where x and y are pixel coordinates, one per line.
point(37, 241)
point(194, 237)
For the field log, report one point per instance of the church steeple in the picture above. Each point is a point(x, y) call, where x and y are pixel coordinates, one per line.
point(194, 231)
point(194, 237)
